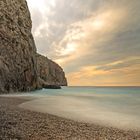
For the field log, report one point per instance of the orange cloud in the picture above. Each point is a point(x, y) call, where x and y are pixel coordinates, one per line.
point(90, 76)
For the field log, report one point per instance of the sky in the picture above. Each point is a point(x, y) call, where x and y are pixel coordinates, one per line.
point(97, 42)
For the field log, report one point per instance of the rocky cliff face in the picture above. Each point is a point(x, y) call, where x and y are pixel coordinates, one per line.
point(49, 72)
point(18, 70)
point(18, 64)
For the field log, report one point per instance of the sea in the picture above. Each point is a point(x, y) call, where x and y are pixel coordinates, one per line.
point(109, 106)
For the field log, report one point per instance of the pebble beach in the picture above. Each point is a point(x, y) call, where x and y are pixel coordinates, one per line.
point(20, 124)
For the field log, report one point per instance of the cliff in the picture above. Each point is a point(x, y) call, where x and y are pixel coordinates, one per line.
point(49, 72)
point(18, 69)
point(18, 62)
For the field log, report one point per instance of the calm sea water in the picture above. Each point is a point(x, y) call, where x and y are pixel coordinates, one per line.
point(112, 106)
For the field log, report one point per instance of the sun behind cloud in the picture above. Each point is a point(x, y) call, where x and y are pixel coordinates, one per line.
point(98, 24)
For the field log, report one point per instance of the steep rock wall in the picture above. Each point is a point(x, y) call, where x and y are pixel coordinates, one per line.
point(21, 69)
point(18, 69)
point(49, 72)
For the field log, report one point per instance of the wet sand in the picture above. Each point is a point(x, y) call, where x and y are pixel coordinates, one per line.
point(20, 124)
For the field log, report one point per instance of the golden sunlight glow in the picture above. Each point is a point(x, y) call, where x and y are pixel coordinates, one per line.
point(71, 47)
point(98, 24)
point(90, 75)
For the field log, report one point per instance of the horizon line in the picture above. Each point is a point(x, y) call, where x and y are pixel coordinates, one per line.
point(101, 86)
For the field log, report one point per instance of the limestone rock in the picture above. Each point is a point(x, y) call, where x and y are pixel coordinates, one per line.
point(50, 73)
point(21, 69)
point(18, 69)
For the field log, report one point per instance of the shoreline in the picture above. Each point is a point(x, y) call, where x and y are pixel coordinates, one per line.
point(18, 123)
point(83, 110)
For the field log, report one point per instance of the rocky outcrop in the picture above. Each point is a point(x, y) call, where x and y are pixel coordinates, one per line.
point(50, 74)
point(18, 69)
point(18, 59)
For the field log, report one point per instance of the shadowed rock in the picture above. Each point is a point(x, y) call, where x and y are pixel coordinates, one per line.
point(18, 69)
point(50, 74)
point(18, 59)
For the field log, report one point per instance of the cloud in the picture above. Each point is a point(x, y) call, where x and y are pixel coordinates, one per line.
point(80, 34)
point(91, 75)
point(120, 64)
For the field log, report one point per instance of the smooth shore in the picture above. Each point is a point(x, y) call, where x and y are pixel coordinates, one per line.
point(20, 124)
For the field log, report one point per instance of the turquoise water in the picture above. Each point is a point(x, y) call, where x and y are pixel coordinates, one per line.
point(97, 90)
point(112, 106)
